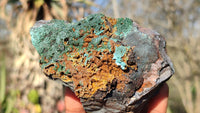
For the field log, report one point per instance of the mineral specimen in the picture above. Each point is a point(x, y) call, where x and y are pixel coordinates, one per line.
point(112, 65)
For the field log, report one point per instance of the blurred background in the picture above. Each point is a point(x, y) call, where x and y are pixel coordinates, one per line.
point(23, 87)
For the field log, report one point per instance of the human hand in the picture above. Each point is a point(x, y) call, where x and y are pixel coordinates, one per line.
point(158, 104)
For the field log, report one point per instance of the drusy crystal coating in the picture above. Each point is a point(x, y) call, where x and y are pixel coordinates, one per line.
point(111, 64)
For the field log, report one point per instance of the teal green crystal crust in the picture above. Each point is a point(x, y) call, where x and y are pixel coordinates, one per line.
point(118, 54)
point(49, 39)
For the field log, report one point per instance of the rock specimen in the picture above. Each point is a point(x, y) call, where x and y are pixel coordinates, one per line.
point(112, 65)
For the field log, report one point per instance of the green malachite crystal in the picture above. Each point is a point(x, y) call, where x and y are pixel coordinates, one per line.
point(49, 39)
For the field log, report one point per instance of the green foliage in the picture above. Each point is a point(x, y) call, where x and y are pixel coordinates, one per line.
point(194, 93)
point(33, 96)
point(9, 102)
point(2, 80)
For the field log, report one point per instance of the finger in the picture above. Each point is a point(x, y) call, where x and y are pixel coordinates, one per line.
point(72, 103)
point(159, 103)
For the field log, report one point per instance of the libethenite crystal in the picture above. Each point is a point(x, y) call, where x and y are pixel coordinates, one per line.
point(111, 64)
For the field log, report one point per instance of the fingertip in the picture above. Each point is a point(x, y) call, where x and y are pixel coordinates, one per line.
point(165, 90)
point(158, 104)
point(72, 103)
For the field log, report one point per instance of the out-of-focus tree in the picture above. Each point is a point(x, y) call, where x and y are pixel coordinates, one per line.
point(185, 53)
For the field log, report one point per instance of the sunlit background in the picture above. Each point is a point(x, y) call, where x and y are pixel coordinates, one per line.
point(23, 87)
